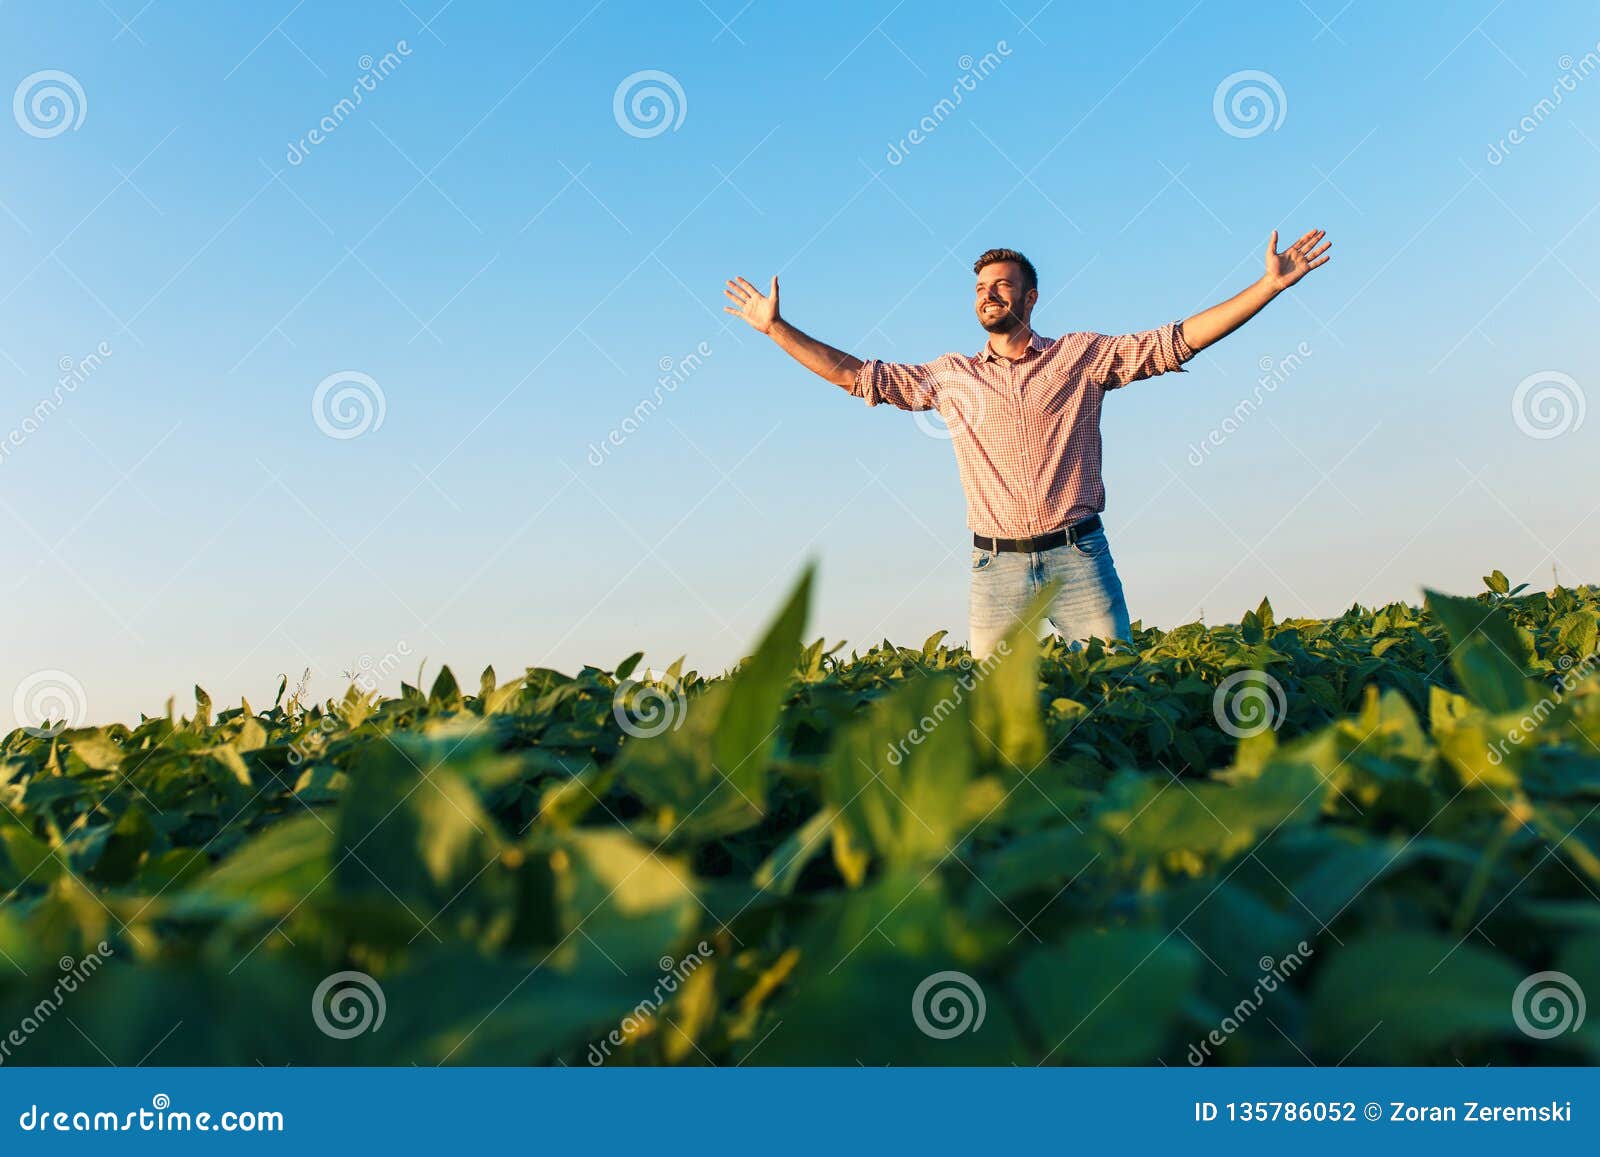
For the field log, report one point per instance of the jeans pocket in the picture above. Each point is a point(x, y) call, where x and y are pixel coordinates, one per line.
point(981, 559)
point(1092, 545)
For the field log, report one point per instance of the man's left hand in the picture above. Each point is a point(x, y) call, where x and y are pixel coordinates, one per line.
point(1288, 267)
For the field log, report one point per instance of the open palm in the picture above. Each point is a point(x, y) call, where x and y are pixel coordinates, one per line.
point(1288, 267)
point(759, 309)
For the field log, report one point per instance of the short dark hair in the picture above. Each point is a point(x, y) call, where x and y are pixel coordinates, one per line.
point(1030, 275)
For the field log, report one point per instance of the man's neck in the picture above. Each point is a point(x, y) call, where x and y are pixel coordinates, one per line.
point(1014, 344)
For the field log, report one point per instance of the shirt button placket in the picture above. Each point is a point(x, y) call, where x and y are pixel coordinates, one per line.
point(1028, 502)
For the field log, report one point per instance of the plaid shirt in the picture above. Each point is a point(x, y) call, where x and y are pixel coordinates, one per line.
point(1026, 432)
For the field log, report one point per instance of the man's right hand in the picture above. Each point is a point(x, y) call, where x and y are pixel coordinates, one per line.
point(760, 310)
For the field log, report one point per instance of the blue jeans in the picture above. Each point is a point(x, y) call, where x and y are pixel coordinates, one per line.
point(1088, 604)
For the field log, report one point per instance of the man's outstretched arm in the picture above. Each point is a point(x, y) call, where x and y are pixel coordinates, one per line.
point(761, 311)
point(1283, 270)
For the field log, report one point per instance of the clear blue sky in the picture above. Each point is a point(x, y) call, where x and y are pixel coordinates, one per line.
point(483, 239)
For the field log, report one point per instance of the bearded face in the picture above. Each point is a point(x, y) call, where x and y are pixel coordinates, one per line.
point(1003, 304)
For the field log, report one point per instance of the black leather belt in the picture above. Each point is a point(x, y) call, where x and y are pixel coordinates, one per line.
point(1040, 542)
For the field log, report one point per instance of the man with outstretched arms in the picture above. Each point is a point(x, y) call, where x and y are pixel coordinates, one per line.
point(1024, 418)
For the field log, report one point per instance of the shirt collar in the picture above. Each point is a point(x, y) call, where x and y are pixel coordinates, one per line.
point(1035, 342)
